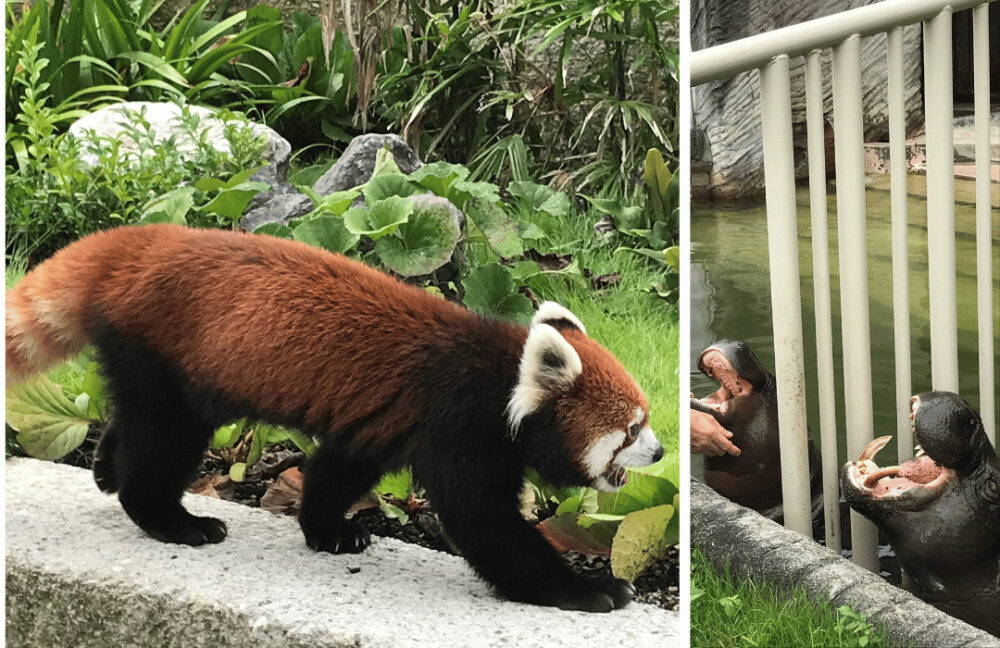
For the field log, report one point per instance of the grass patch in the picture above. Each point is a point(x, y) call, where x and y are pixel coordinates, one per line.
point(728, 612)
point(635, 324)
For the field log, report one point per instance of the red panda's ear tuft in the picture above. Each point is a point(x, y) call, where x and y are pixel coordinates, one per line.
point(549, 365)
point(553, 314)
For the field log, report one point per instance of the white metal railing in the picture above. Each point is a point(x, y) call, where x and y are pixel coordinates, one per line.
point(769, 53)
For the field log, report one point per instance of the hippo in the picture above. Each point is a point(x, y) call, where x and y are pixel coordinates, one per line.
point(940, 511)
point(746, 404)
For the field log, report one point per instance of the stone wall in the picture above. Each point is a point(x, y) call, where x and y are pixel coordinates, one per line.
point(728, 111)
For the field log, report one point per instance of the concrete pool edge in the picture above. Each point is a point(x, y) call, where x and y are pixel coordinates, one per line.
point(756, 548)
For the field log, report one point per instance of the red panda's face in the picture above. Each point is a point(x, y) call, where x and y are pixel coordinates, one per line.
point(602, 414)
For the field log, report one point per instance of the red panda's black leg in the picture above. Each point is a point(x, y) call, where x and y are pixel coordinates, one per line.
point(105, 474)
point(484, 522)
point(154, 443)
point(155, 466)
point(333, 482)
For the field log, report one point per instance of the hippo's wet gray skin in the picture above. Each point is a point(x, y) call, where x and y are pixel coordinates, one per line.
point(746, 404)
point(940, 510)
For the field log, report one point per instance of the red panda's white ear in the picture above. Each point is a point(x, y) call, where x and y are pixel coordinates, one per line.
point(551, 313)
point(549, 365)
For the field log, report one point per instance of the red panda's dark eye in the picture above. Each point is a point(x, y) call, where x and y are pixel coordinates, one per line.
point(633, 430)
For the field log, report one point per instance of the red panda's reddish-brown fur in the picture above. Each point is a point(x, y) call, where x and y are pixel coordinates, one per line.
point(273, 297)
point(219, 325)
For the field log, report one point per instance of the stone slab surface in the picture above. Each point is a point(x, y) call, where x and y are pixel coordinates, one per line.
point(80, 574)
point(757, 548)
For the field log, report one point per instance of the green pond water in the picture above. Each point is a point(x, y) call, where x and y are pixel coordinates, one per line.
point(730, 295)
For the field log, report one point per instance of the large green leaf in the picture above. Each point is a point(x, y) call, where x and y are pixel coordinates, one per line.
point(398, 484)
point(540, 198)
point(462, 191)
point(337, 202)
point(388, 185)
point(380, 219)
point(276, 230)
point(231, 201)
point(499, 229)
point(438, 177)
point(642, 491)
point(421, 245)
point(643, 537)
point(327, 232)
point(656, 179)
point(490, 289)
point(384, 162)
point(48, 424)
point(171, 207)
point(628, 219)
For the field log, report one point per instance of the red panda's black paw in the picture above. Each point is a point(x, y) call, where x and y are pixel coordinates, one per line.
point(185, 528)
point(586, 600)
point(620, 591)
point(344, 537)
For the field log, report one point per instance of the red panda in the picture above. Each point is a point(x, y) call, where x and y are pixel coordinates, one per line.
point(197, 328)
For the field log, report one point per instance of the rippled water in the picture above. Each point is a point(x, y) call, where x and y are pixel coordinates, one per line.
point(730, 295)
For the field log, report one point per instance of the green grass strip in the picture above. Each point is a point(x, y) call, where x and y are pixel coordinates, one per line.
point(727, 612)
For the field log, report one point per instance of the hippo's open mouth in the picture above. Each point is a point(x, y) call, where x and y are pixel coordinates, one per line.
point(714, 364)
point(919, 480)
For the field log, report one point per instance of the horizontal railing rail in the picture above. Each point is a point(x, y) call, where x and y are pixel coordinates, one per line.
point(753, 52)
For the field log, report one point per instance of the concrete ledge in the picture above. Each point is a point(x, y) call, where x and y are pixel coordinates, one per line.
point(80, 574)
point(757, 548)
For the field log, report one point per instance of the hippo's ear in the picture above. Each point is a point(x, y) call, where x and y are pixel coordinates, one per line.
point(557, 316)
point(549, 365)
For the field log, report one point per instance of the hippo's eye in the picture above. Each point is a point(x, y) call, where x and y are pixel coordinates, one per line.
point(633, 430)
point(992, 489)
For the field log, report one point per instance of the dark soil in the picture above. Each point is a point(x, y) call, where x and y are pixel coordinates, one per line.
point(657, 586)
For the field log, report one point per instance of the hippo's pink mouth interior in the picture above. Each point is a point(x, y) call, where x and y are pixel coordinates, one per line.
point(714, 364)
point(921, 476)
point(889, 481)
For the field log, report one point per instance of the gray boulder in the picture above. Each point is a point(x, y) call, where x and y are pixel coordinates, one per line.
point(353, 168)
point(165, 122)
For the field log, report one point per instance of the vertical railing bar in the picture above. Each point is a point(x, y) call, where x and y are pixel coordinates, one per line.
point(900, 249)
point(984, 225)
point(938, 113)
point(786, 305)
point(851, 220)
point(821, 289)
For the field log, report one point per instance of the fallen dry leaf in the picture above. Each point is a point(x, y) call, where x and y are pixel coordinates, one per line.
point(214, 485)
point(600, 282)
point(549, 261)
point(284, 495)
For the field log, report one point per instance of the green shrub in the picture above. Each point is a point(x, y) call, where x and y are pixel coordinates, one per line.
point(54, 198)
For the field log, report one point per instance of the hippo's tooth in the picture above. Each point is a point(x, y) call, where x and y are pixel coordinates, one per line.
point(872, 448)
point(919, 451)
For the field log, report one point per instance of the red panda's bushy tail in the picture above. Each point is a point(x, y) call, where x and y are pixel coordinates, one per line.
point(45, 317)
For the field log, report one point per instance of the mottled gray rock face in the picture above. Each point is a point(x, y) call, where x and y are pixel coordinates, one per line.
point(165, 122)
point(754, 547)
point(728, 111)
point(353, 168)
